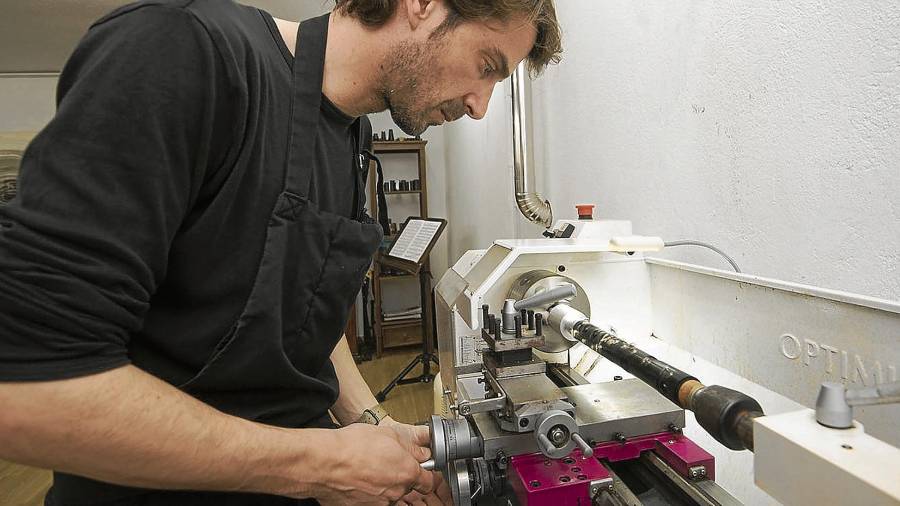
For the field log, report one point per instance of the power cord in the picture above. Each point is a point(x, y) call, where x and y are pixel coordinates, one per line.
point(734, 264)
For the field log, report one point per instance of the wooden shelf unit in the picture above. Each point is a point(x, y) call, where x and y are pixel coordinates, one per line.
point(407, 331)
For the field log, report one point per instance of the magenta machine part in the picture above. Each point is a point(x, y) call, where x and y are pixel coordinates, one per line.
point(574, 480)
point(538, 481)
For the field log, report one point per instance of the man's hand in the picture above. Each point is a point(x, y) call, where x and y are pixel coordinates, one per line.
point(440, 496)
point(355, 397)
point(418, 442)
point(367, 464)
point(415, 438)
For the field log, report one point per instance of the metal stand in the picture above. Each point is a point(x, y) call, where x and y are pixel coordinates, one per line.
point(427, 356)
point(368, 346)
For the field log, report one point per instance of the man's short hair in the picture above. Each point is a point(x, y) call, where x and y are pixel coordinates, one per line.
point(547, 47)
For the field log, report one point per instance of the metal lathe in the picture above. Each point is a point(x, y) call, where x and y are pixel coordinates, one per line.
point(580, 370)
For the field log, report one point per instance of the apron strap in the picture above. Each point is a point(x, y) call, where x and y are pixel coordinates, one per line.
point(381, 213)
point(364, 154)
point(309, 64)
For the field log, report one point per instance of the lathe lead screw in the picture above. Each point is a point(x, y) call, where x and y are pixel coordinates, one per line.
point(586, 449)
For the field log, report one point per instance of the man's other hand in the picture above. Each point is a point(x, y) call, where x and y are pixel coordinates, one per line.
point(440, 496)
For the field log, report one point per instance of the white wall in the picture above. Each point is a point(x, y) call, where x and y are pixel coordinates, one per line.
point(294, 10)
point(26, 103)
point(771, 129)
point(480, 189)
point(479, 178)
point(37, 37)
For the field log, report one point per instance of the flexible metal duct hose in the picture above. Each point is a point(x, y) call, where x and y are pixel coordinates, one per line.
point(531, 204)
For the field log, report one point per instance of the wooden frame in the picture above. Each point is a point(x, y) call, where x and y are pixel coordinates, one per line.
point(404, 332)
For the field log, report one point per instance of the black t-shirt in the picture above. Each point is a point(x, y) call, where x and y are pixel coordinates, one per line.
point(143, 204)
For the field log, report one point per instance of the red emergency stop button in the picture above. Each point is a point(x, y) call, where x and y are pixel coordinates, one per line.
point(585, 211)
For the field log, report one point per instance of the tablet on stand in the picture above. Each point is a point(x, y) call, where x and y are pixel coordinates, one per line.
point(409, 253)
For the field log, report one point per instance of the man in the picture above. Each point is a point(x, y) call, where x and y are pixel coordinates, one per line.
point(190, 233)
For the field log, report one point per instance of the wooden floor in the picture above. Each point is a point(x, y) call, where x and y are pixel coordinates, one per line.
point(20, 485)
point(26, 486)
point(406, 403)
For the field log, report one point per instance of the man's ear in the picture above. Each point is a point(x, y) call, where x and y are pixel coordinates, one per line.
point(419, 12)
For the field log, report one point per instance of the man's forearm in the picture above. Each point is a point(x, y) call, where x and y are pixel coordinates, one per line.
point(356, 396)
point(124, 426)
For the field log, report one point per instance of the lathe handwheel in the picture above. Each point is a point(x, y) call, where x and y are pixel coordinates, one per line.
point(460, 483)
point(553, 433)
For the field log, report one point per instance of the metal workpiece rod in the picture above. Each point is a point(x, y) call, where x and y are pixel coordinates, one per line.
point(666, 379)
point(726, 414)
point(743, 427)
point(532, 206)
point(548, 297)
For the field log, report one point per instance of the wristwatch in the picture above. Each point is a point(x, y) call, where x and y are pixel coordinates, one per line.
point(373, 415)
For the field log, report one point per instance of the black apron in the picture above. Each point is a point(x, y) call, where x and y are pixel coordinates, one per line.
point(273, 366)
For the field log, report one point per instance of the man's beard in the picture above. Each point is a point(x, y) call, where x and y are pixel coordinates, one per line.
point(410, 87)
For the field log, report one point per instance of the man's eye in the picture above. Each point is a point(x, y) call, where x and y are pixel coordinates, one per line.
point(487, 70)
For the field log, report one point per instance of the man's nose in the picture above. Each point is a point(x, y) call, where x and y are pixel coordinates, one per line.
point(477, 103)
